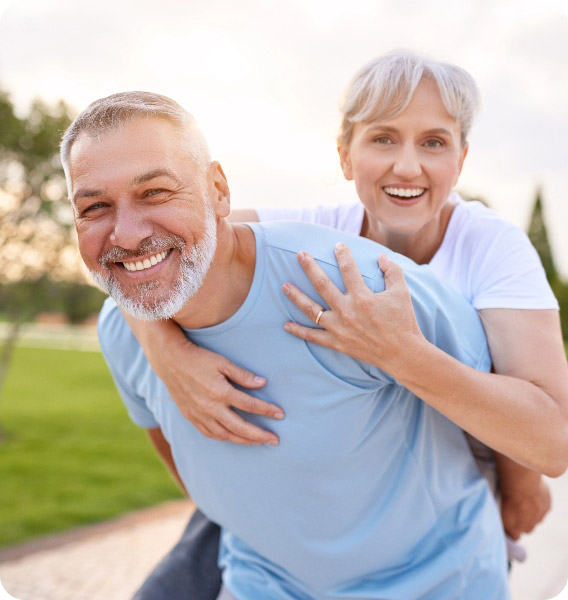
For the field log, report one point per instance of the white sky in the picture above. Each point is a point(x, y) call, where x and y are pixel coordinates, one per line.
point(264, 79)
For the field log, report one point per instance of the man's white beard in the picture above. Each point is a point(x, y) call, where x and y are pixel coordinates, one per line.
point(141, 303)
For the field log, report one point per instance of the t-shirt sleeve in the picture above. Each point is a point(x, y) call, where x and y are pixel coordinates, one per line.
point(511, 274)
point(121, 353)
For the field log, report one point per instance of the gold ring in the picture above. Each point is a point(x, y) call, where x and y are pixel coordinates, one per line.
point(319, 316)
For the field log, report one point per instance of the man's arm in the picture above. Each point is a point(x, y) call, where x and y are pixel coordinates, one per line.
point(163, 449)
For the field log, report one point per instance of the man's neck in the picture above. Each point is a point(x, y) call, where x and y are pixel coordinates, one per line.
point(228, 280)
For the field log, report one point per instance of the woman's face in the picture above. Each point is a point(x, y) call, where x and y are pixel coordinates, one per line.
point(405, 168)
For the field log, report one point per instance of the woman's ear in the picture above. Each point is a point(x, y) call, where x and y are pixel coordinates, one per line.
point(345, 160)
point(461, 160)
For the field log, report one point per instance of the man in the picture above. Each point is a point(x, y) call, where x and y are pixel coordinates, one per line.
point(370, 493)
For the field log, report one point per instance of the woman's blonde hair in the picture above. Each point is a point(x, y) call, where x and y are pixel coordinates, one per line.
point(383, 88)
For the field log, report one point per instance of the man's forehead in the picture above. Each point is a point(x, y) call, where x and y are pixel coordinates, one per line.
point(138, 147)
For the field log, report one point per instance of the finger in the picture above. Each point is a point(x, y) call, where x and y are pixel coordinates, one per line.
point(310, 334)
point(321, 282)
point(352, 277)
point(250, 404)
point(217, 431)
point(392, 273)
point(237, 426)
point(310, 308)
point(241, 376)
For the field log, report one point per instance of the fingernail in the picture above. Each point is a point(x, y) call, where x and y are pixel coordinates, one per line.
point(301, 256)
point(279, 415)
point(286, 288)
point(339, 246)
point(273, 443)
point(258, 379)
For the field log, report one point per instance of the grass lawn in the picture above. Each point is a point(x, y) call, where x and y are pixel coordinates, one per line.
point(72, 456)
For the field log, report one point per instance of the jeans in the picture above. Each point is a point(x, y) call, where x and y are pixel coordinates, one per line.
point(189, 571)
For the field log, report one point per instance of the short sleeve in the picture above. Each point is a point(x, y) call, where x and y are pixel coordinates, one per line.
point(511, 274)
point(122, 355)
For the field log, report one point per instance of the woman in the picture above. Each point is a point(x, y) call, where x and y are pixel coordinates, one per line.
point(403, 141)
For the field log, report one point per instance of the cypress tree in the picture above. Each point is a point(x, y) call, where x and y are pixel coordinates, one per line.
point(538, 235)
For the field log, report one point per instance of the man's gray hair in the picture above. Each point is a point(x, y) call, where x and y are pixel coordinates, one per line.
point(114, 111)
point(383, 88)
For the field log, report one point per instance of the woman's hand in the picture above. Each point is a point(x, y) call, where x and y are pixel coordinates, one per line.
point(525, 497)
point(375, 328)
point(200, 383)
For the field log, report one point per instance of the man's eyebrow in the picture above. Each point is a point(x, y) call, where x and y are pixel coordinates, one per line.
point(85, 193)
point(153, 174)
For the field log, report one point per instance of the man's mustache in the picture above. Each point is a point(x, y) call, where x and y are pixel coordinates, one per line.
point(147, 246)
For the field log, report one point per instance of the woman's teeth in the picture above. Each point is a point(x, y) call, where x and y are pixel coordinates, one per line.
point(404, 193)
point(140, 265)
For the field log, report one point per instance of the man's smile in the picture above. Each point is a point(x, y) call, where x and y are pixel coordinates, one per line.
point(148, 262)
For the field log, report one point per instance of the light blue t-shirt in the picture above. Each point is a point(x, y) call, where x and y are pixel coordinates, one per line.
point(371, 494)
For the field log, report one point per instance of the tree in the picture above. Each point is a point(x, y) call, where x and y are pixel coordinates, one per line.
point(36, 223)
point(538, 235)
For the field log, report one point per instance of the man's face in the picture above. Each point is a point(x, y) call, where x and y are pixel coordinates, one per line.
point(146, 227)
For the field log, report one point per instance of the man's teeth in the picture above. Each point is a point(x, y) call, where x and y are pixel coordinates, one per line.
point(405, 193)
point(146, 263)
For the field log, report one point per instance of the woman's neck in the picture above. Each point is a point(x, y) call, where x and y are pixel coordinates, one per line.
point(420, 246)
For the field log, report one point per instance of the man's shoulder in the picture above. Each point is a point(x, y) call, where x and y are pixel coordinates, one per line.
point(319, 241)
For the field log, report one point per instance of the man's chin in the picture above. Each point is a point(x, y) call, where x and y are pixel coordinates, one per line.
point(139, 304)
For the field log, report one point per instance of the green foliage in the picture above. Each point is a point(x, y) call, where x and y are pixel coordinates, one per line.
point(26, 299)
point(73, 456)
point(36, 221)
point(538, 235)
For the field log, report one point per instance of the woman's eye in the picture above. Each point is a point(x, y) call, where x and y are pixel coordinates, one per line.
point(383, 139)
point(434, 144)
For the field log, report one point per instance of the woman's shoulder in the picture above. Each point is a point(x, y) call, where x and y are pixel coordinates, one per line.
point(491, 261)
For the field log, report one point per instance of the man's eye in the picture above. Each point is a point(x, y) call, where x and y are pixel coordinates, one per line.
point(154, 192)
point(434, 143)
point(93, 207)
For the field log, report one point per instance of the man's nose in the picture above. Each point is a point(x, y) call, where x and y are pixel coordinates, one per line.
point(131, 227)
point(407, 162)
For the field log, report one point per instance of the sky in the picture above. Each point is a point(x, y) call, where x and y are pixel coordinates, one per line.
point(264, 79)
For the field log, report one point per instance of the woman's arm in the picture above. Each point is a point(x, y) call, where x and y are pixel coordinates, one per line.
point(520, 411)
point(200, 383)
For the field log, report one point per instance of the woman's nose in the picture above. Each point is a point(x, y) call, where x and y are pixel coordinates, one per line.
point(407, 162)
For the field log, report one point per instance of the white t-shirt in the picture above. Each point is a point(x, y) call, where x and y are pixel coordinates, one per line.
point(488, 260)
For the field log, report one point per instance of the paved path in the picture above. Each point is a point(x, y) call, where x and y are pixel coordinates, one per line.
point(109, 561)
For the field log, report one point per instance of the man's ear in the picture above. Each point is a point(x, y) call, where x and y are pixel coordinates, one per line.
point(345, 161)
point(219, 189)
